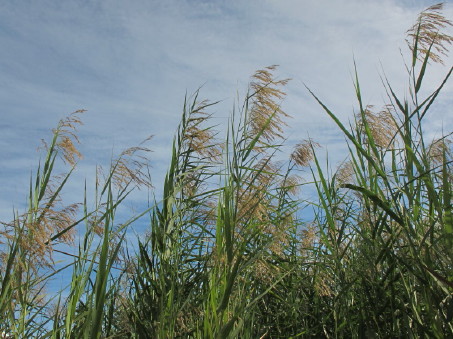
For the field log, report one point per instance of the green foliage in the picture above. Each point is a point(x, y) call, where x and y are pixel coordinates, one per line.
point(226, 253)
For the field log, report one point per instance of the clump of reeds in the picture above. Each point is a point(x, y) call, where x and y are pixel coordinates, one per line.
point(227, 253)
point(386, 240)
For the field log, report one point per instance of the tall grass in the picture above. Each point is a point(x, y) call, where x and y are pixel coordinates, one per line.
point(227, 252)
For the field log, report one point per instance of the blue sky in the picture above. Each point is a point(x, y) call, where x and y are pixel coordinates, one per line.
point(130, 63)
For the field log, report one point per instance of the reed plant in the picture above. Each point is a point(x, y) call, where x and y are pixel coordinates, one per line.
point(228, 251)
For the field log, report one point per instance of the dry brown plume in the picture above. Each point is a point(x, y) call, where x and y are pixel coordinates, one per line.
point(428, 29)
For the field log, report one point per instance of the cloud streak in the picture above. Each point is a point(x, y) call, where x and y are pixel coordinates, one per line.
point(130, 64)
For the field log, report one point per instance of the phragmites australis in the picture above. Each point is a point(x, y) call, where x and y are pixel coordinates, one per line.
point(426, 35)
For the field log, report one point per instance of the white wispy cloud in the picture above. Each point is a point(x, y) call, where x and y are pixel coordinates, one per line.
point(130, 64)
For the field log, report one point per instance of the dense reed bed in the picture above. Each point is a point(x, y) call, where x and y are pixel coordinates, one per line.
point(227, 252)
